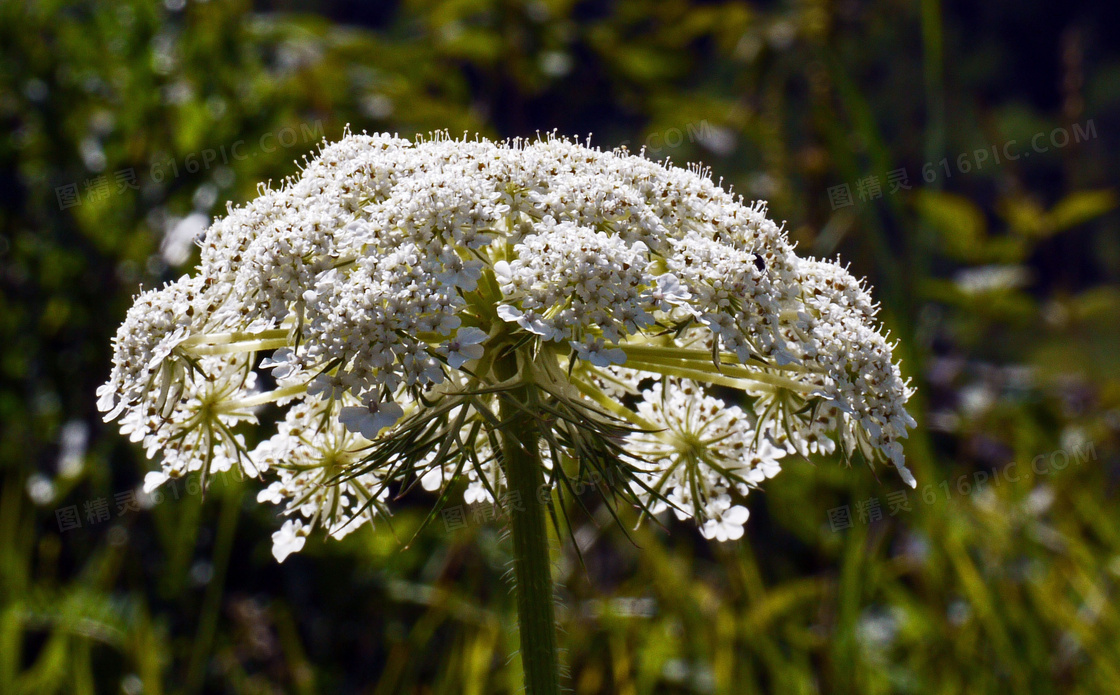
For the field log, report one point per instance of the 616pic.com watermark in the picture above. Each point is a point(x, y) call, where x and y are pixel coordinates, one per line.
point(870, 188)
point(165, 168)
point(871, 509)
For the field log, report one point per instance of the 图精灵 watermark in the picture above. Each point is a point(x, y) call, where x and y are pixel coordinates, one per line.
point(870, 510)
point(873, 187)
point(165, 168)
point(101, 509)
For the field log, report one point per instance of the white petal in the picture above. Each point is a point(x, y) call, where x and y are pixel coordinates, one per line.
point(352, 416)
point(287, 540)
point(471, 335)
point(508, 312)
point(153, 480)
point(908, 477)
point(432, 480)
point(737, 515)
point(503, 272)
point(387, 415)
point(270, 494)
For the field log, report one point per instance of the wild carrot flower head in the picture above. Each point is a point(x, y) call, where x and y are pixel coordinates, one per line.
point(379, 298)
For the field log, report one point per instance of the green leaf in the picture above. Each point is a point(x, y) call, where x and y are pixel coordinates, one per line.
point(1024, 215)
point(1078, 208)
point(958, 221)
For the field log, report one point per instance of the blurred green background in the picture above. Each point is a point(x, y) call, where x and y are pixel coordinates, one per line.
point(963, 156)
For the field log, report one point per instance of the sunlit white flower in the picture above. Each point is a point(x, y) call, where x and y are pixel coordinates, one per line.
point(329, 386)
point(530, 320)
point(669, 292)
point(314, 456)
point(593, 350)
point(153, 479)
point(465, 346)
point(368, 420)
point(725, 523)
point(283, 363)
point(289, 539)
point(395, 293)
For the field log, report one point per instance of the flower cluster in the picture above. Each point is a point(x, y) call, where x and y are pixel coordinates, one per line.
point(381, 295)
point(702, 451)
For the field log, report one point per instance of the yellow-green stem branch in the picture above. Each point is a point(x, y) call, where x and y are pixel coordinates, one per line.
point(262, 398)
point(239, 347)
point(234, 337)
point(727, 375)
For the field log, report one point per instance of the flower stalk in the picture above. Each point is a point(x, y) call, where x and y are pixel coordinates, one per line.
point(531, 566)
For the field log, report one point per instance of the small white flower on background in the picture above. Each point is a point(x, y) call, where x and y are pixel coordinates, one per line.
point(153, 479)
point(764, 462)
point(432, 480)
point(289, 539)
point(726, 524)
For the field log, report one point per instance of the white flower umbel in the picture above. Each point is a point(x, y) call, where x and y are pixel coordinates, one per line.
point(390, 276)
point(506, 318)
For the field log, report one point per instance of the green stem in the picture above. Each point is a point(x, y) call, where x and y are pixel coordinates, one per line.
point(212, 601)
point(531, 566)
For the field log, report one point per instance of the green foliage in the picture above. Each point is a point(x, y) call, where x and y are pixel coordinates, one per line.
point(1000, 279)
